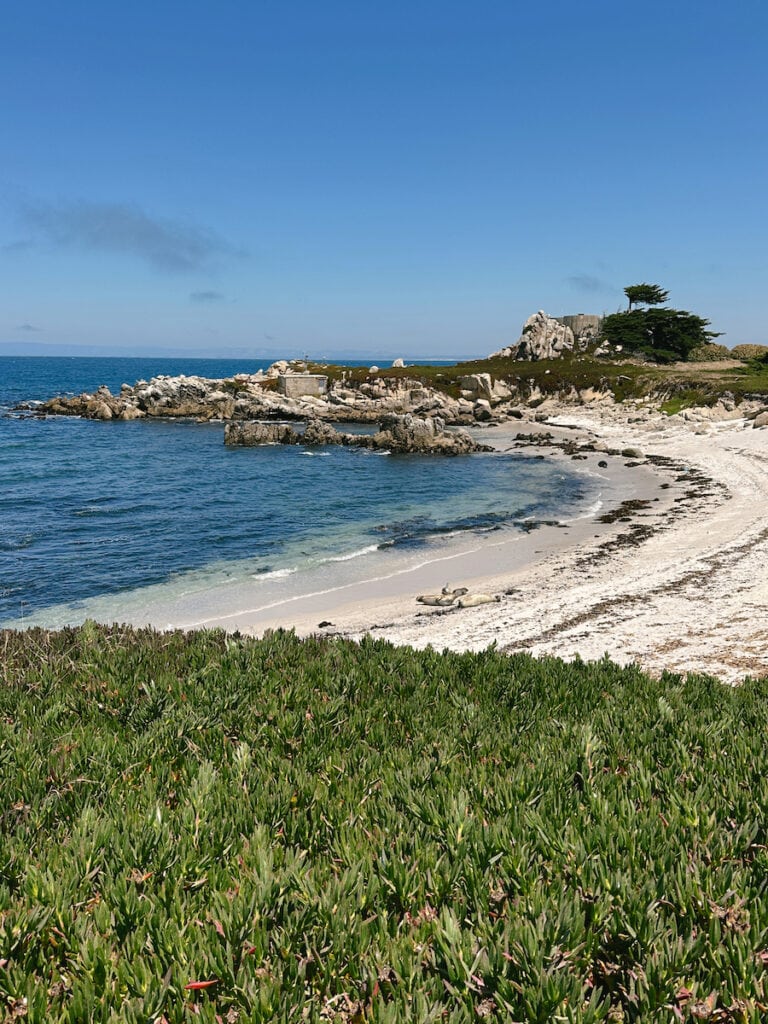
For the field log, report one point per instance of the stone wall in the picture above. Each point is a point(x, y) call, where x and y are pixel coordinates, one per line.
point(584, 325)
point(298, 385)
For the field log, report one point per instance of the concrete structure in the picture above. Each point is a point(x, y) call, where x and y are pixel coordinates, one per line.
point(299, 385)
point(585, 326)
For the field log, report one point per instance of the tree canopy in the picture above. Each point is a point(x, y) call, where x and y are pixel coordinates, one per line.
point(665, 334)
point(645, 294)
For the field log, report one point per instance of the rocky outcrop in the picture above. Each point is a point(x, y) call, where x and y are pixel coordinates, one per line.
point(255, 397)
point(398, 434)
point(476, 385)
point(542, 337)
point(548, 337)
point(413, 434)
point(255, 433)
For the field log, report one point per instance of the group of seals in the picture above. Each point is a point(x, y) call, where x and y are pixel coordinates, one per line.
point(445, 598)
point(458, 597)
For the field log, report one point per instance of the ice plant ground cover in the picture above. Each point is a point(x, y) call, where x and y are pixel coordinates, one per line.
point(211, 828)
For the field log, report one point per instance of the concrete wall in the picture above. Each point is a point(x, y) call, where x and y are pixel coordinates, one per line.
point(581, 322)
point(297, 385)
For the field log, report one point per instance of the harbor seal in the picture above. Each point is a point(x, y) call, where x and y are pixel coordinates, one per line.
point(444, 599)
point(473, 600)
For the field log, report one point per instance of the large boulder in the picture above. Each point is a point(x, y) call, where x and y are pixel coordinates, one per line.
point(427, 435)
point(543, 337)
point(476, 385)
point(253, 433)
point(318, 432)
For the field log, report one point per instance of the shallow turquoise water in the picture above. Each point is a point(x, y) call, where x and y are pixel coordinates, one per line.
point(90, 508)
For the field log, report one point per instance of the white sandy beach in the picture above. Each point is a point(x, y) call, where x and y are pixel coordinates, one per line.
point(682, 585)
point(691, 597)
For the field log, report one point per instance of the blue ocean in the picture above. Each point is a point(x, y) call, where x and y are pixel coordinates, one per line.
point(91, 509)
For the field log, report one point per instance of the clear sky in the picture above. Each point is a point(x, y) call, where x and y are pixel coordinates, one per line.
point(375, 178)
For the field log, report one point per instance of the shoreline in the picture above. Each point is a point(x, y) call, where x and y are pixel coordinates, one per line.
point(689, 593)
point(678, 583)
point(671, 574)
point(378, 594)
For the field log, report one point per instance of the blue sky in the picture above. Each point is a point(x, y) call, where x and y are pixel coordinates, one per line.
point(392, 179)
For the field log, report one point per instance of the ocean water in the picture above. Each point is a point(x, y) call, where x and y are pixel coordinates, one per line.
point(92, 511)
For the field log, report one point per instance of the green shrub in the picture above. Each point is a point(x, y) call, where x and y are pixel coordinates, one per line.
point(709, 353)
point(212, 828)
point(748, 352)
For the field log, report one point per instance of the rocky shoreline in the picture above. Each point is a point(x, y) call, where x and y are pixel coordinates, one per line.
point(256, 397)
point(478, 398)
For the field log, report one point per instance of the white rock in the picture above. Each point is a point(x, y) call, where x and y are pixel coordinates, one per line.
point(542, 337)
point(476, 384)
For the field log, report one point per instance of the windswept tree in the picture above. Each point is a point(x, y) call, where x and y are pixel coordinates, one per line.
point(663, 335)
point(645, 295)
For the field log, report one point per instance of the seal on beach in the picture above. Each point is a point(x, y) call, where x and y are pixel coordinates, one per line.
point(473, 600)
point(444, 599)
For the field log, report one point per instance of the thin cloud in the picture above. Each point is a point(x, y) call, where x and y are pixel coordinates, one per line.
point(125, 228)
point(21, 245)
point(27, 327)
point(589, 283)
point(206, 297)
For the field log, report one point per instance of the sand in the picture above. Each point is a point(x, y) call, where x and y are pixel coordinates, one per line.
point(681, 586)
point(692, 595)
point(678, 580)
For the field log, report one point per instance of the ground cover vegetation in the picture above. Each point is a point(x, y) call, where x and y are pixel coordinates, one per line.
point(212, 828)
point(623, 377)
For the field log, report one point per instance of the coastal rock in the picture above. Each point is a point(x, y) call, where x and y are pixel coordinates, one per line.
point(130, 412)
point(591, 396)
point(542, 337)
point(318, 432)
point(101, 411)
point(405, 433)
point(252, 434)
point(399, 434)
point(255, 397)
point(476, 385)
point(398, 364)
point(761, 420)
point(277, 368)
point(548, 337)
